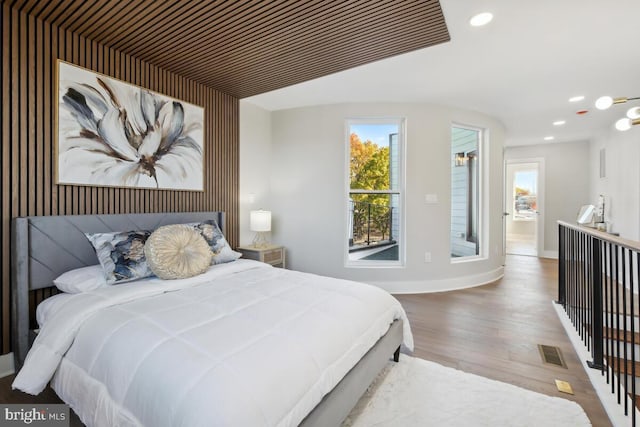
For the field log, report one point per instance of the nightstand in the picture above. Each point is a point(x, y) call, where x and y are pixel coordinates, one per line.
point(274, 255)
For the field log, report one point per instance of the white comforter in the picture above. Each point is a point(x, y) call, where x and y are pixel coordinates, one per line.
point(244, 344)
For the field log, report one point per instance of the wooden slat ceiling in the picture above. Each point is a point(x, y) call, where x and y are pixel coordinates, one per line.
point(245, 48)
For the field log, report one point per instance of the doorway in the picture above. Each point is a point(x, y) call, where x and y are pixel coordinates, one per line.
point(523, 210)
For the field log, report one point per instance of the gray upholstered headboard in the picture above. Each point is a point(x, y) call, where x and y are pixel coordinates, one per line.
point(43, 247)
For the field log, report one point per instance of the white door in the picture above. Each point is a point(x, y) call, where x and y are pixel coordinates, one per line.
point(524, 226)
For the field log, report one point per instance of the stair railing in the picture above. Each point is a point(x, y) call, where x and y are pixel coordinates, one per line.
point(598, 288)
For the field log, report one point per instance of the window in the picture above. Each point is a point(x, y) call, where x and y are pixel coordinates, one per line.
point(465, 191)
point(375, 192)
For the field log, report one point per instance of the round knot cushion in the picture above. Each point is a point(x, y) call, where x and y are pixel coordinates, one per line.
point(177, 252)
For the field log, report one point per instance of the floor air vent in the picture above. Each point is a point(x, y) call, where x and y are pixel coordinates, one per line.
point(551, 355)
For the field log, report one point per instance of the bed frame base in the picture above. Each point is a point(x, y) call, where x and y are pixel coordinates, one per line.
point(337, 404)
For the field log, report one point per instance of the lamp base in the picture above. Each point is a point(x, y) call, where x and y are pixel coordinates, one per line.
point(260, 240)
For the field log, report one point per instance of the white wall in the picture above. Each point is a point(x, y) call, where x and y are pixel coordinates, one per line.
point(255, 164)
point(621, 184)
point(307, 194)
point(566, 183)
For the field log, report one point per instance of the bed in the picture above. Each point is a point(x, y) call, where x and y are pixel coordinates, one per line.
point(44, 247)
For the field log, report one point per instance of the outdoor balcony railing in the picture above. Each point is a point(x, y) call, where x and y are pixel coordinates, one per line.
point(372, 224)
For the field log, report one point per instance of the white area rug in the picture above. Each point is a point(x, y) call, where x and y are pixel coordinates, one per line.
point(416, 392)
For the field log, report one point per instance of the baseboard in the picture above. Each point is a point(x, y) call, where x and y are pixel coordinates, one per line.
point(441, 285)
point(6, 365)
point(603, 390)
point(549, 254)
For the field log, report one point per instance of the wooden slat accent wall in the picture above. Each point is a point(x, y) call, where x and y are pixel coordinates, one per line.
point(30, 48)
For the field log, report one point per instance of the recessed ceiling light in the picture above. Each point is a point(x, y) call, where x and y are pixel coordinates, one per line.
point(559, 122)
point(481, 19)
point(549, 138)
point(576, 98)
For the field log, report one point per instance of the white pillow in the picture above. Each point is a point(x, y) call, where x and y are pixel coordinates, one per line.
point(81, 279)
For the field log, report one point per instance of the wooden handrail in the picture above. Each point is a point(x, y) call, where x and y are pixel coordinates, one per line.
point(603, 235)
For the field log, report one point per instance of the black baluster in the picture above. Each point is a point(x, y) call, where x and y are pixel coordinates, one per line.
point(633, 338)
point(607, 298)
point(562, 282)
point(624, 328)
point(582, 284)
point(597, 308)
point(617, 312)
point(574, 288)
point(614, 317)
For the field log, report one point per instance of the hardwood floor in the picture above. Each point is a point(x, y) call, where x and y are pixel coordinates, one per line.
point(494, 330)
point(521, 244)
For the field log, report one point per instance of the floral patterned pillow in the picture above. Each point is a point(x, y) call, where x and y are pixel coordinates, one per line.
point(222, 252)
point(121, 254)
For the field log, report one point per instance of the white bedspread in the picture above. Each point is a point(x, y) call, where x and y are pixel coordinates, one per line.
point(244, 344)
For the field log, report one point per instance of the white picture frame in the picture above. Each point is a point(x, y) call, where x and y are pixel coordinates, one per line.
point(114, 134)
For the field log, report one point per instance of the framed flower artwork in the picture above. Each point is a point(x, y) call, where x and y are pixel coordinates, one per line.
point(114, 134)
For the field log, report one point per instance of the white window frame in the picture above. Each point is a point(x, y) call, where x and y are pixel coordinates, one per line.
point(401, 123)
point(483, 194)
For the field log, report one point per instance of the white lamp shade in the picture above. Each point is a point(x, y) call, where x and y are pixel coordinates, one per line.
point(260, 220)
